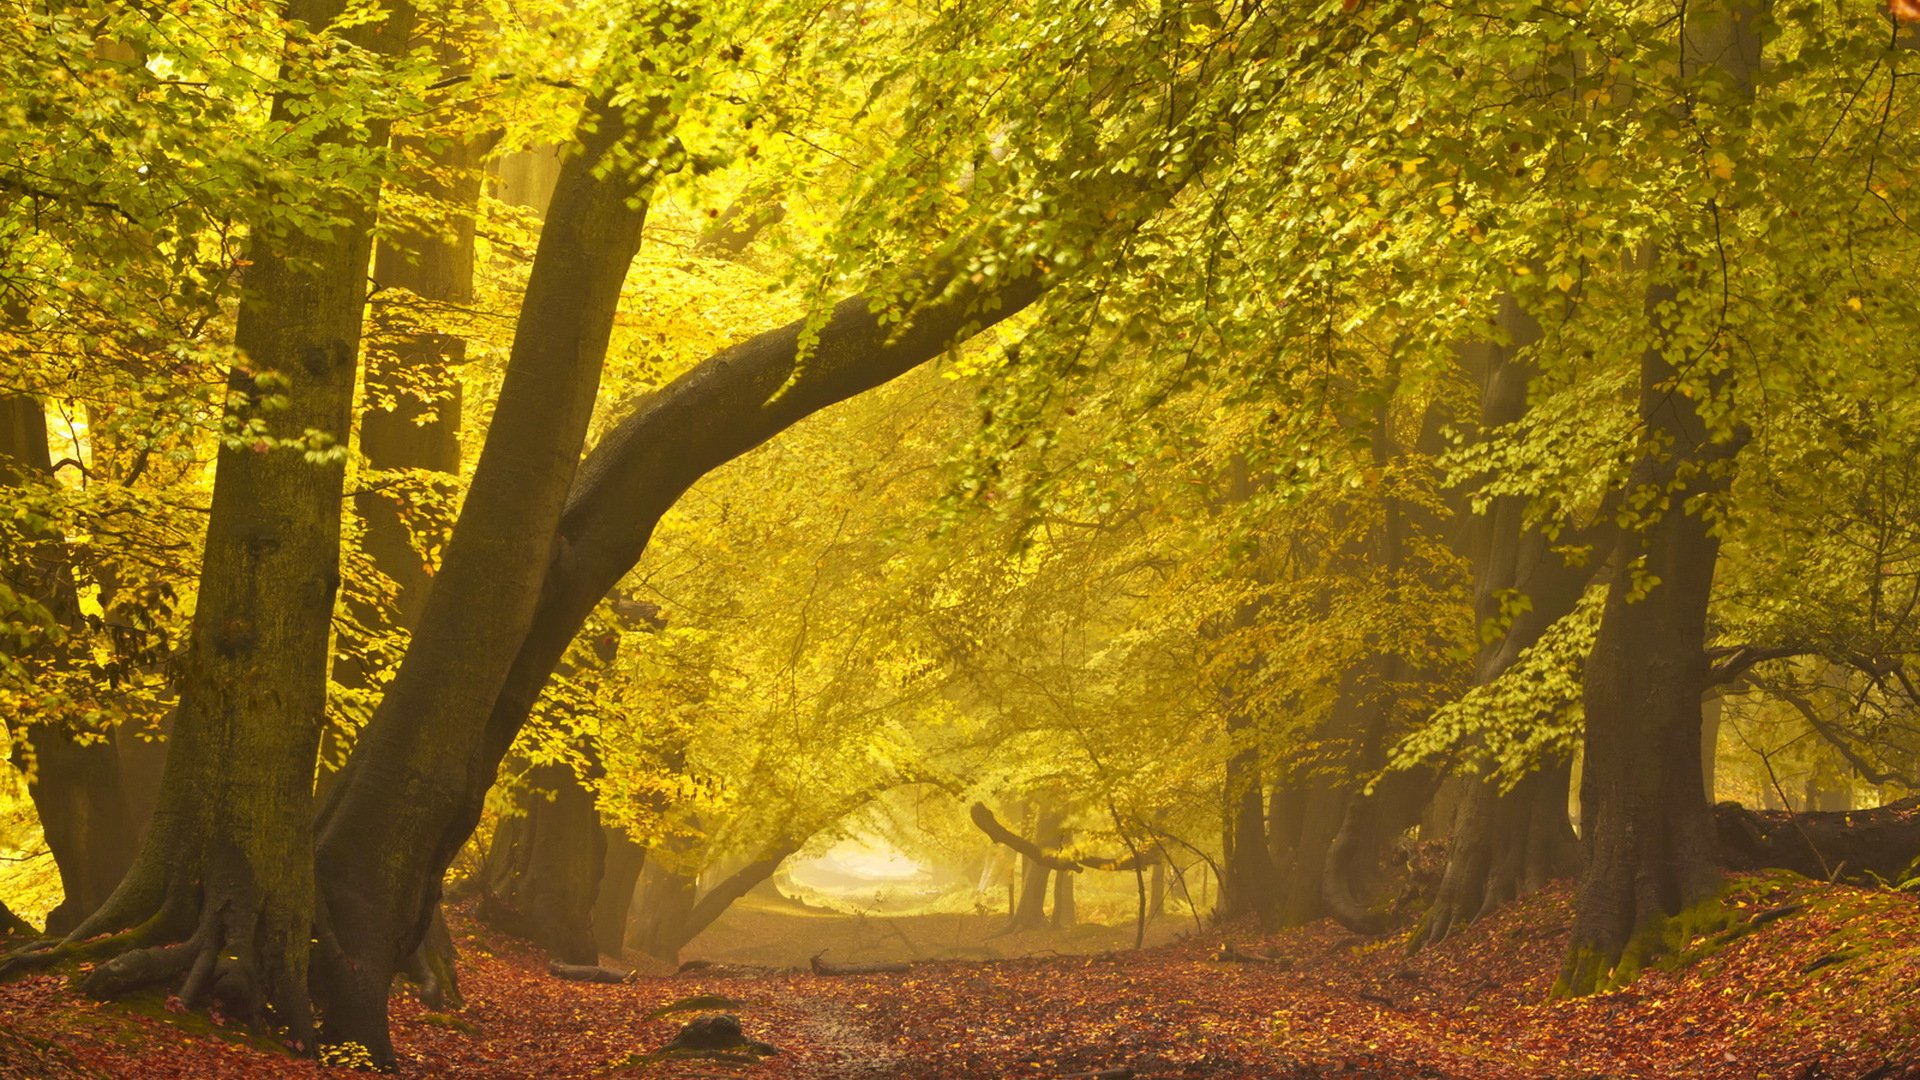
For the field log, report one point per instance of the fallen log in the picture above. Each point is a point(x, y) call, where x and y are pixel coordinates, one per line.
point(823, 967)
point(1861, 847)
point(588, 973)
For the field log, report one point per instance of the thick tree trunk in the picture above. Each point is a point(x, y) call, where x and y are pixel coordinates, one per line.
point(542, 874)
point(410, 419)
point(1031, 911)
point(670, 916)
point(1509, 843)
point(1648, 832)
point(381, 857)
point(625, 859)
point(220, 897)
point(1371, 823)
point(661, 910)
point(77, 792)
point(1322, 808)
point(1064, 914)
point(1250, 885)
point(1505, 845)
point(1650, 858)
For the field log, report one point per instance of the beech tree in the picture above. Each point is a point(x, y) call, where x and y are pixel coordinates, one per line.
point(1238, 560)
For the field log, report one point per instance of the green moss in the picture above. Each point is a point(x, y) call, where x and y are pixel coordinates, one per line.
point(1667, 941)
point(696, 1003)
point(450, 1022)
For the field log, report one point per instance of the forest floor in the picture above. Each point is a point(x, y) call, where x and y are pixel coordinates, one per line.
point(1825, 985)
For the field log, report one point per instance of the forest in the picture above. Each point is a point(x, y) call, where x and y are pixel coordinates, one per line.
point(960, 538)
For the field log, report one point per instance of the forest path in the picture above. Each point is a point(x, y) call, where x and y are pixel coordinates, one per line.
point(1826, 984)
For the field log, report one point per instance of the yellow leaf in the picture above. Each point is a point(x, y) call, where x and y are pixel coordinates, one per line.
point(1720, 165)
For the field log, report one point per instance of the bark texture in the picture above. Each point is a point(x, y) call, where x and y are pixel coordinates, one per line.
point(1509, 843)
point(1870, 848)
point(382, 858)
point(219, 900)
point(1648, 844)
point(543, 869)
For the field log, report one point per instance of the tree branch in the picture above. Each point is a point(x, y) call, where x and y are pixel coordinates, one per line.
point(1729, 662)
point(991, 825)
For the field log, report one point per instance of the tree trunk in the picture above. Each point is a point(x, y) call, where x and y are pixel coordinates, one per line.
point(625, 859)
point(1870, 848)
point(1648, 843)
point(1509, 843)
point(661, 910)
point(1250, 884)
point(220, 895)
point(1505, 845)
point(401, 809)
point(76, 791)
point(670, 916)
point(1371, 823)
point(1030, 913)
point(73, 777)
point(1064, 916)
point(1322, 808)
point(542, 874)
point(1650, 859)
point(410, 420)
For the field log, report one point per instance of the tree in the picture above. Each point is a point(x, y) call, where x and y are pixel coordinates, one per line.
point(221, 892)
point(1648, 835)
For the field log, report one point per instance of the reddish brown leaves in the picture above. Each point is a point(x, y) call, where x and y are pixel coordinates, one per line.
point(1829, 989)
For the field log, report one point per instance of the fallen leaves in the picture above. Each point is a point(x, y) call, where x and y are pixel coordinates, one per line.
point(1819, 981)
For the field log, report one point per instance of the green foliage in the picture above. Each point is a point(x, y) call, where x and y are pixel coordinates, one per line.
point(1528, 717)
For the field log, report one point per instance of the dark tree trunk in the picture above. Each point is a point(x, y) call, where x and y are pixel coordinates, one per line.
point(76, 790)
point(1648, 833)
point(678, 917)
point(542, 874)
point(1031, 912)
point(1064, 915)
point(1650, 858)
point(220, 897)
point(382, 857)
point(1371, 823)
point(1322, 808)
point(661, 910)
point(618, 880)
point(431, 966)
point(1249, 885)
point(73, 777)
point(1507, 844)
point(410, 419)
